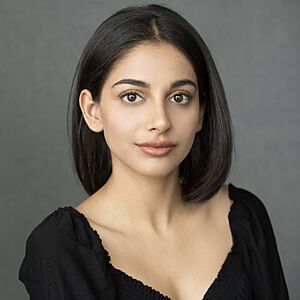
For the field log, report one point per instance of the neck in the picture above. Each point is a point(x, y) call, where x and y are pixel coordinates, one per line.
point(149, 204)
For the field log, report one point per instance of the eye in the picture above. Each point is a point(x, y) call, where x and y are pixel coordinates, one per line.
point(130, 95)
point(179, 97)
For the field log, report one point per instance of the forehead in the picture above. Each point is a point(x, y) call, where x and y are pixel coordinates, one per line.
point(153, 62)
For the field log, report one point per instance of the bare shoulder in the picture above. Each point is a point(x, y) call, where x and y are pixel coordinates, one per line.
point(88, 207)
point(218, 207)
point(224, 202)
point(220, 201)
point(97, 213)
point(224, 196)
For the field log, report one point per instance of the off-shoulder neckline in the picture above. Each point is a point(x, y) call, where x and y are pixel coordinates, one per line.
point(224, 271)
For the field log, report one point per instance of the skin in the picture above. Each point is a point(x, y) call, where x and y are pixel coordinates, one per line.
point(140, 205)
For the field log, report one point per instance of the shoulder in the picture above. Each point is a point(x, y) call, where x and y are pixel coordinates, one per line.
point(249, 200)
point(59, 230)
point(63, 255)
point(254, 217)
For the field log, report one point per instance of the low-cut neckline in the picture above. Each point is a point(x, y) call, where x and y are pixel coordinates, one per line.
point(217, 282)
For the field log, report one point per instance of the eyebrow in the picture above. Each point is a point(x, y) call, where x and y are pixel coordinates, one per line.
point(144, 84)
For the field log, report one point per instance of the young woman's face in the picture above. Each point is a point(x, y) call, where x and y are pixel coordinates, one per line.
point(147, 108)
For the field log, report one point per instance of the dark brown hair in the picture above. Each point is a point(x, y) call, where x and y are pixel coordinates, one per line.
point(208, 163)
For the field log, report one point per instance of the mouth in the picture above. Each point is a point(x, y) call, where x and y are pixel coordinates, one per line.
point(154, 151)
point(157, 144)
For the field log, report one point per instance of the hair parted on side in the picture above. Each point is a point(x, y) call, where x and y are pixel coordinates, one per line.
point(208, 163)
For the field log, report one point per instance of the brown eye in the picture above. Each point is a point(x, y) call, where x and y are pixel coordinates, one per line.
point(182, 97)
point(178, 98)
point(130, 96)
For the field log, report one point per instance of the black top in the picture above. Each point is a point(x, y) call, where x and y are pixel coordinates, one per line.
point(65, 260)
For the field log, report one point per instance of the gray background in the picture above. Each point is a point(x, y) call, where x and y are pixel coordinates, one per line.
point(255, 45)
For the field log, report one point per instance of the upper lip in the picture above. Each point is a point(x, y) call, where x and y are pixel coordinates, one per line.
point(157, 144)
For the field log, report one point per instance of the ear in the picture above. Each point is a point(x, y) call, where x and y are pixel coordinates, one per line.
point(90, 111)
point(201, 116)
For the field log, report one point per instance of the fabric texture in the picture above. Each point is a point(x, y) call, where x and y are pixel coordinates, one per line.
point(65, 260)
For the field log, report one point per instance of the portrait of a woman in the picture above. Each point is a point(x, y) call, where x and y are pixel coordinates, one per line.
point(152, 143)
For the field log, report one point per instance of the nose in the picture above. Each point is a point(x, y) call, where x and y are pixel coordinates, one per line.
point(159, 119)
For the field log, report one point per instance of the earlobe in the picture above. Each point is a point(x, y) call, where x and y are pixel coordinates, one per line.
point(90, 111)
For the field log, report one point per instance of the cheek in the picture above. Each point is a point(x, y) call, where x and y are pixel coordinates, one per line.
point(118, 124)
point(187, 128)
point(188, 120)
point(191, 121)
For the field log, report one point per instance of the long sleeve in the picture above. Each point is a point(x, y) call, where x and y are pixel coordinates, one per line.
point(64, 261)
point(261, 256)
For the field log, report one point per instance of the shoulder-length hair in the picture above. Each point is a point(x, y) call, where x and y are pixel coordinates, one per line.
point(208, 163)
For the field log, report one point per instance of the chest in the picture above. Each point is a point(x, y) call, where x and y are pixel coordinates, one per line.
point(181, 266)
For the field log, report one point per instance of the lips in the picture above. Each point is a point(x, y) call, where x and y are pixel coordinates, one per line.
point(157, 148)
point(157, 144)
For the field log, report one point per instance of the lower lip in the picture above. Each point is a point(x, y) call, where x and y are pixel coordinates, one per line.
point(156, 151)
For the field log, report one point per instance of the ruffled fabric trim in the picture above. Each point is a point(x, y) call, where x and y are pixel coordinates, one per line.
point(89, 237)
point(102, 252)
point(219, 285)
point(143, 290)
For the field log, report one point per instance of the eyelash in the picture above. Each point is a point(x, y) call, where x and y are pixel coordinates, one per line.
point(188, 96)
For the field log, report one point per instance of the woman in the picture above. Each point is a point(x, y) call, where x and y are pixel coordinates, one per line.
point(152, 145)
